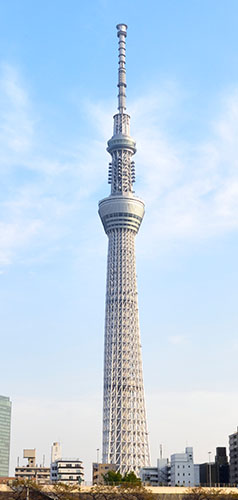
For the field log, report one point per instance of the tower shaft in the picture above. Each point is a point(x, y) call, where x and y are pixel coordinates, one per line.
point(125, 438)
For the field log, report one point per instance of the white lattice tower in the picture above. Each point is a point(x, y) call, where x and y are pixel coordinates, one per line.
point(125, 437)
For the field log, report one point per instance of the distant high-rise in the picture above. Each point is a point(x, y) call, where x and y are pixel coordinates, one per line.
point(233, 450)
point(125, 437)
point(5, 432)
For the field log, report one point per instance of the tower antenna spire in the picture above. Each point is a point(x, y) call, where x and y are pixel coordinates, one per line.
point(121, 33)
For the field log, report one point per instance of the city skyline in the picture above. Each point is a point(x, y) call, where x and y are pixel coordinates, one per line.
point(57, 81)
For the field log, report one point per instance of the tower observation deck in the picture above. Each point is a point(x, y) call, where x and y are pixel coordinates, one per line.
point(125, 437)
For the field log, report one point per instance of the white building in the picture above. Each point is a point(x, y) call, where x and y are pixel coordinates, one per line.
point(182, 468)
point(66, 470)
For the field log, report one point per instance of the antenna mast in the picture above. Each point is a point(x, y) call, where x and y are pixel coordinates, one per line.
point(121, 33)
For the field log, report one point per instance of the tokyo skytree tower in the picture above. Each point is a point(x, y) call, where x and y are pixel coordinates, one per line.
point(125, 437)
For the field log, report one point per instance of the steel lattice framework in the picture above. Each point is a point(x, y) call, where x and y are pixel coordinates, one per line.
point(125, 437)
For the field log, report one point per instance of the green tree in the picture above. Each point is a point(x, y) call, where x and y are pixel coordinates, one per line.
point(131, 479)
point(112, 478)
point(115, 478)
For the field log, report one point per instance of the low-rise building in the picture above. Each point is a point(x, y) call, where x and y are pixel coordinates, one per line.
point(156, 476)
point(99, 470)
point(207, 474)
point(164, 471)
point(215, 473)
point(67, 470)
point(149, 476)
point(196, 475)
point(182, 468)
point(31, 471)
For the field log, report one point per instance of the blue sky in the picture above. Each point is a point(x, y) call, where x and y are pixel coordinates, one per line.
point(58, 73)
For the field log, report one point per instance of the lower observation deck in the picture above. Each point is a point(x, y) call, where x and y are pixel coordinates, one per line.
point(121, 212)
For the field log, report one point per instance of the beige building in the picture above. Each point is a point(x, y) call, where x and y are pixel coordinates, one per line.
point(99, 470)
point(31, 471)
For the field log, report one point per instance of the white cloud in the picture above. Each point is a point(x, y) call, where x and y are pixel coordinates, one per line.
point(17, 126)
point(190, 190)
point(15, 235)
point(177, 339)
point(37, 209)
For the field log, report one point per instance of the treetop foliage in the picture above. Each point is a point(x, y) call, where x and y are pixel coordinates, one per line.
point(115, 478)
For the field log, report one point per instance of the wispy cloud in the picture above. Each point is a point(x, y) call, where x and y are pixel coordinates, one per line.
point(17, 125)
point(177, 339)
point(41, 192)
point(190, 189)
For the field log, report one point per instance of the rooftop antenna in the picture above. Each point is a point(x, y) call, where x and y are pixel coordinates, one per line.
point(121, 33)
point(160, 451)
point(43, 460)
